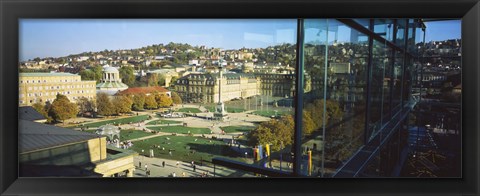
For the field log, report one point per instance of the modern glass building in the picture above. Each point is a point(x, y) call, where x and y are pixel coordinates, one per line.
point(356, 86)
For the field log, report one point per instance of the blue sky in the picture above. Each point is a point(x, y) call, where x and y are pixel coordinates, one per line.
point(62, 37)
point(442, 30)
point(55, 38)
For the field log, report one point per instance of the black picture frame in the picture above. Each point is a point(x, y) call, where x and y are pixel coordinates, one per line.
point(11, 11)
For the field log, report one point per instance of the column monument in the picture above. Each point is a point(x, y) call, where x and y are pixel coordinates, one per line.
point(220, 112)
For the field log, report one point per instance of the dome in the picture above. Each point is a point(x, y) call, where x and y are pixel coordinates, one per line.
point(110, 70)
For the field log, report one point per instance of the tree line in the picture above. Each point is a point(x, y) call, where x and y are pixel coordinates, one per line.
point(62, 108)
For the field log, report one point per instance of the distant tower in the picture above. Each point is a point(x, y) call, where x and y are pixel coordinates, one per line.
point(220, 112)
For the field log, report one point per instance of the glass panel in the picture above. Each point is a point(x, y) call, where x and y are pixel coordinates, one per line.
point(401, 26)
point(379, 86)
point(412, 26)
point(384, 28)
point(336, 63)
point(365, 22)
point(397, 81)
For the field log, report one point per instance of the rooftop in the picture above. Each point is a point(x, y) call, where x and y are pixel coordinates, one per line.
point(35, 136)
point(46, 74)
point(29, 113)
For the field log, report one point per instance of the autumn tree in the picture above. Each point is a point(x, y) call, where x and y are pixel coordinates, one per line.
point(152, 79)
point(85, 105)
point(127, 75)
point(122, 104)
point(176, 98)
point(308, 125)
point(163, 100)
point(104, 105)
point(276, 132)
point(150, 102)
point(62, 109)
point(138, 102)
point(43, 110)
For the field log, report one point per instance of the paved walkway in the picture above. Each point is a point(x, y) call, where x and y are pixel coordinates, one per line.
point(156, 169)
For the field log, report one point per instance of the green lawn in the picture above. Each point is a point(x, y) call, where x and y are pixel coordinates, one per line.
point(132, 134)
point(158, 122)
point(180, 129)
point(234, 110)
point(127, 120)
point(228, 108)
point(210, 108)
point(189, 110)
point(270, 113)
point(185, 148)
point(233, 129)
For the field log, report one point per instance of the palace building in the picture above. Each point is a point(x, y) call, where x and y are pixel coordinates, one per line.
point(44, 87)
point(203, 87)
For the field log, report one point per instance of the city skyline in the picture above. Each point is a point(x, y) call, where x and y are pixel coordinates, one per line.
point(62, 37)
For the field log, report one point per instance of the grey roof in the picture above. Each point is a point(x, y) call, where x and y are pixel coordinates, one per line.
point(35, 136)
point(29, 113)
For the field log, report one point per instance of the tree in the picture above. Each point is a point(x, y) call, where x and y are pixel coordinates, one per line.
point(176, 98)
point(87, 74)
point(122, 104)
point(274, 132)
point(163, 100)
point(104, 105)
point(85, 105)
point(62, 109)
point(150, 102)
point(98, 70)
point(152, 79)
point(308, 124)
point(138, 102)
point(126, 73)
point(43, 110)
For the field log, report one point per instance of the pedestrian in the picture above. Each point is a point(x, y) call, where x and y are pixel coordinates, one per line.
point(194, 167)
point(163, 163)
point(146, 167)
point(139, 164)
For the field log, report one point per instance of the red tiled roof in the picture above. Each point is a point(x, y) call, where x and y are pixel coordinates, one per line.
point(145, 90)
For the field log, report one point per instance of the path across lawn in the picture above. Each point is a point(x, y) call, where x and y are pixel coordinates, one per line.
point(127, 120)
point(180, 129)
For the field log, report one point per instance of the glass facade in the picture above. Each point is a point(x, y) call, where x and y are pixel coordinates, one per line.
point(357, 78)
